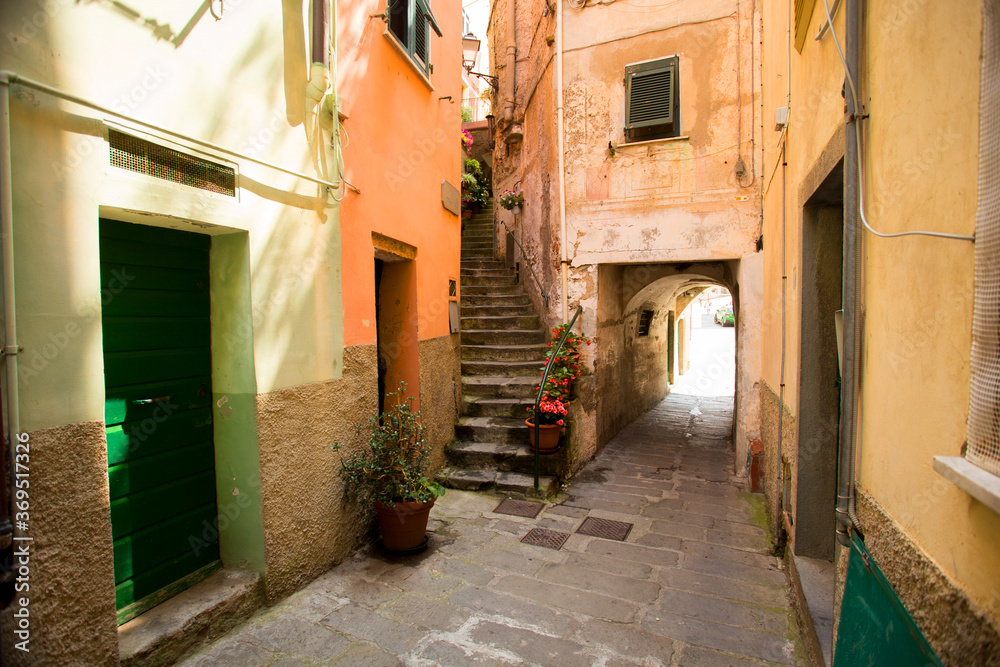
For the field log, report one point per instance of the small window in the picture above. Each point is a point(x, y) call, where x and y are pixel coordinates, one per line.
point(410, 22)
point(645, 320)
point(652, 100)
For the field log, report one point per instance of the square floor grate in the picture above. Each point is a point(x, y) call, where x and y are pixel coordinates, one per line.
point(550, 539)
point(519, 508)
point(606, 528)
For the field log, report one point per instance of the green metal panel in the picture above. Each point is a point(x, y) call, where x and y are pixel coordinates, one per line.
point(157, 369)
point(875, 628)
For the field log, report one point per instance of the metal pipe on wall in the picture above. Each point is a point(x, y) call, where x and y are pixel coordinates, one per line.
point(564, 261)
point(10, 347)
point(511, 64)
point(846, 492)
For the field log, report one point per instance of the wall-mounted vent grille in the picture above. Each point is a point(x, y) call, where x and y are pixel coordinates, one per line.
point(145, 157)
point(645, 320)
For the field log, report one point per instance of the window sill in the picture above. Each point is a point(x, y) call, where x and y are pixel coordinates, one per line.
point(648, 142)
point(981, 485)
point(408, 58)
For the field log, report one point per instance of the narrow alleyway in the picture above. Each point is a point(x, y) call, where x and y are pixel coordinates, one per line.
point(691, 584)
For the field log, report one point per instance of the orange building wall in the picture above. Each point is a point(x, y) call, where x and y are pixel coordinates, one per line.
point(403, 141)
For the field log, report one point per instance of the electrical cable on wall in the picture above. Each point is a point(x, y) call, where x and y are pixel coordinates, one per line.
point(740, 166)
point(858, 117)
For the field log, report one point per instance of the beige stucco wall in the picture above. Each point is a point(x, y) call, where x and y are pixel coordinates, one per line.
point(921, 169)
point(70, 579)
point(654, 202)
point(307, 526)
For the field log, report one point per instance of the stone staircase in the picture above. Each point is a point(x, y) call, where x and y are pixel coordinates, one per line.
point(503, 348)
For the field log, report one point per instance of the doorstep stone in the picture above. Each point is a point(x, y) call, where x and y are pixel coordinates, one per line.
point(191, 619)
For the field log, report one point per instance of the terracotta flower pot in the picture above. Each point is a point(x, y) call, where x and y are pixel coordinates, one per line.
point(548, 436)
point(404, 525)
point(467, 213)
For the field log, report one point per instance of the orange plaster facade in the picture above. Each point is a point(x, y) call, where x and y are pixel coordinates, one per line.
point(404, 140)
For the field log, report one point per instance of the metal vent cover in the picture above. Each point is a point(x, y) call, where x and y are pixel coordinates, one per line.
point(145, 157)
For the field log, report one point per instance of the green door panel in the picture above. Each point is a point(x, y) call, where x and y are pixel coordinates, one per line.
point(135, 476)
point(875, 627)
point(143, 366)
point(115, 276)
point(158, 390)
point(156, 303)
point(124, 334)
point(147, 235)
point(137, 439)
point(145, 508)
point(133, 402)
point(145, 549)
point(149, 582)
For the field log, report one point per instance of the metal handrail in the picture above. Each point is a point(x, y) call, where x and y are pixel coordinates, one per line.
point(541, 388)
point(527, 263)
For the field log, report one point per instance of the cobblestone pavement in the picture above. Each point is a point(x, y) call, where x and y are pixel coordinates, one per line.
point(692, 584)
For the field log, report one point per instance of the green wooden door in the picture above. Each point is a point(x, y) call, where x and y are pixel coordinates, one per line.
point(157, 375)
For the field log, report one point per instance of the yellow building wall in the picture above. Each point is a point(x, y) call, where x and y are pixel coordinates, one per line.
point(921, 71)
point(923, 143)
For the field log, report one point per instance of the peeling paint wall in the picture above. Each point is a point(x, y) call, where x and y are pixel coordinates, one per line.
point(653, 202)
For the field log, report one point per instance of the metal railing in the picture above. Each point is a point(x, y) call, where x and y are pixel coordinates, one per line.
point(541, 388)
point(527, 262)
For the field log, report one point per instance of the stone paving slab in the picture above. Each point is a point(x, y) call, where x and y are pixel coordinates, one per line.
point(693, 584)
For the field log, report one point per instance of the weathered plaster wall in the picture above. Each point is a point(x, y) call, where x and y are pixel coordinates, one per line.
point(307, 526)
point(660, 201)
point(72, 588)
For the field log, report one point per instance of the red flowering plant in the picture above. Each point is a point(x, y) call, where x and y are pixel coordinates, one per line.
point(565, 369)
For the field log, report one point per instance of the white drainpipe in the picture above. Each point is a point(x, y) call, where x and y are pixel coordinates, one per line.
point(11, 348)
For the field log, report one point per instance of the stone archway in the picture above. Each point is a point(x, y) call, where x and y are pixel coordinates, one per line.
point(637, 307)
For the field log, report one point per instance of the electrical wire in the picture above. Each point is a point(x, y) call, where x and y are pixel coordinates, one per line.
point(858, 115)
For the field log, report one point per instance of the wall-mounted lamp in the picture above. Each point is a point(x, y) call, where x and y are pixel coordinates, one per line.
point(470, 49)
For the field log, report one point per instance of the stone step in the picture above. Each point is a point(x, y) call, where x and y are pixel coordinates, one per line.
point(484, 406)
point(494, 368)
point(500, 353)
point(491, 272)
point(488, 281)
point(493, 290)
point(469, 254)
point(482, 264)
point(509, 483)
point(507, 457)
point(518, 298)
point(492, 429)
point(502, 336)
point(504, 309)
point(499, 387)
point(505, 322)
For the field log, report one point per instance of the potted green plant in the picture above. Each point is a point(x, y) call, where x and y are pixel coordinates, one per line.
point(512, 201)
point(389, 473)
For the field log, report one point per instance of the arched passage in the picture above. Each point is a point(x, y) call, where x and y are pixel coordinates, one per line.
point(637, 312)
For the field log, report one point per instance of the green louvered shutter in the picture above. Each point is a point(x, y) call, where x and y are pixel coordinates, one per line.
point(651, 100)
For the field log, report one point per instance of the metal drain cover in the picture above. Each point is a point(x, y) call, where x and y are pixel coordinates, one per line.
point(519, 508)
point(606, 528)
point(550, 539)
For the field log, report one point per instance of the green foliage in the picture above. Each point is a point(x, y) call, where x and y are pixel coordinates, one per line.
point(466, 114)
point(392, 466)
point(472, 166)
point(469, 181)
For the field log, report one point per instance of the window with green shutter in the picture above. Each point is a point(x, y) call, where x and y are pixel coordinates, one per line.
point(652, 100)
point(410, 22)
